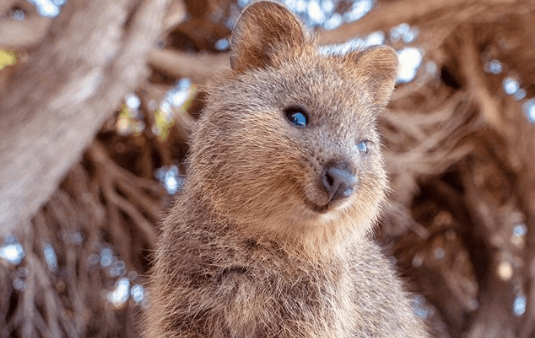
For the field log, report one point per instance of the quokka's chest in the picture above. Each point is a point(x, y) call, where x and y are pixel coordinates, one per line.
point(278, 302)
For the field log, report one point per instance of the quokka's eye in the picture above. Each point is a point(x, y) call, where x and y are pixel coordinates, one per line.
point(363, 146)
point(297, 116)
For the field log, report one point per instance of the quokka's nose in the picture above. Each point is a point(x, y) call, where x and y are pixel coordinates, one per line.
point(339, 180)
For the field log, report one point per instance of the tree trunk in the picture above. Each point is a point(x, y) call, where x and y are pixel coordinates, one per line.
point(94, 53)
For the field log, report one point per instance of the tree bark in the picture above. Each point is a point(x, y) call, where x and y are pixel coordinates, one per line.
point(94, 53)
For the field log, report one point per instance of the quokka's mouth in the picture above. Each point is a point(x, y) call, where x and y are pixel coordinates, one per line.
point(322, 209)
point(313, 206)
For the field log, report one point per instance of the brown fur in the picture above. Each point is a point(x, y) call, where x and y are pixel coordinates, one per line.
point(253, 247)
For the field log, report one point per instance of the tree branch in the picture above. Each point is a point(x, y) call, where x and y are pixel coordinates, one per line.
point(199, 67)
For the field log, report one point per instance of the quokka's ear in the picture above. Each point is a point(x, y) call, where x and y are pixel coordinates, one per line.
point(265, 32)
point(377, 67)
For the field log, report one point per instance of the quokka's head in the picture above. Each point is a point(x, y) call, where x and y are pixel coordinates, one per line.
point(288, 141)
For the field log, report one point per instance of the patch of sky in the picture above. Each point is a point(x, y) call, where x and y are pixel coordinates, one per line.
point(165, 108)
point(170, 178)
point(222, 44)
point(130, 119)
point(419, 307)
point(117, 268)
point(19, 284)
point(375, 38)
point(510, 85)
point(404, 32)
point(120, 294)
point(519, 94)
point(11, 250)
point(132, 101)
point(233, 16)
point(410, 60)
point(411, 35)
point(358, 10)
point(439, 253)
point(106, 257)
point(519, 305)
point(333, 22)
point(397, 32)
point(18, 15)
point(77, 237)
point(431, 68)
point(171, 183)
point(494, 67)
point(520, 230)
point(50, 257)
point(176, 97)
point(315, 13)
point(529, 109)
point(243, 3)
point(138, 293)
point(48, 8)
point(180, 93)
point(299, 6)
point(327, 6)
point(417, 260)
